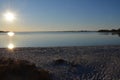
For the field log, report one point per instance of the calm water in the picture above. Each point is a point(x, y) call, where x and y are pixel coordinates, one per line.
point(53, 39)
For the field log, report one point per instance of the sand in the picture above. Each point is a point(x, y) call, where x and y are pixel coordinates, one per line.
point(72, 63)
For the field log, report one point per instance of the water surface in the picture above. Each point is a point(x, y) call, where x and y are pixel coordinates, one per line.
point(58, 39)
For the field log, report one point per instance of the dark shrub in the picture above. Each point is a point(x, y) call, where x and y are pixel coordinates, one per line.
point(59, 61)
point(21, 70)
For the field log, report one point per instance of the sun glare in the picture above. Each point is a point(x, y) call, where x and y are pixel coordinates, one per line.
point(11, 46)
point(11, 34)
point(9, 16)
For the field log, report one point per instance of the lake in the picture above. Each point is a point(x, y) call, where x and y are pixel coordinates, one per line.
point(58, 39)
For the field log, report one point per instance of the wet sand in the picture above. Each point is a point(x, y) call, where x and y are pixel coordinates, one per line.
point(72, 63)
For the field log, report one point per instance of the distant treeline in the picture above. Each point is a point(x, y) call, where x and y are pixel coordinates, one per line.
point(3, 31)
point(112, 30)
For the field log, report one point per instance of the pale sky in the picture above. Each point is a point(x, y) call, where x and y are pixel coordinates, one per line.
point(55, 15)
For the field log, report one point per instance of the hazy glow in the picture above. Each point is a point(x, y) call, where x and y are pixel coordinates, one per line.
point(11, 46)
point(9, 16)
point(11, 33)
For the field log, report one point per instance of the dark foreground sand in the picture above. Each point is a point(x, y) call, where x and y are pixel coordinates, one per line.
point(72, 63)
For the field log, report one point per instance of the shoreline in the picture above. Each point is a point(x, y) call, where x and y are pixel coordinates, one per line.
point(68, 63)
point(66, 46)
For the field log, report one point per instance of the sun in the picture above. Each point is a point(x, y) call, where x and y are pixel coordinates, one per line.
point(9, 16)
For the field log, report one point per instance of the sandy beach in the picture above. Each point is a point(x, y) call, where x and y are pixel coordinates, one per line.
point(72, 63)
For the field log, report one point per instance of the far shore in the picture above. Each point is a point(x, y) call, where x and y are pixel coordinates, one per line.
point(4, 31)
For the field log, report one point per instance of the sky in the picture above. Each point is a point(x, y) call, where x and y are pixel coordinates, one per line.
point(60, 15)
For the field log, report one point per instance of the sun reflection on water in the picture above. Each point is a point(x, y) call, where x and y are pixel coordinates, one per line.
point(11, 34)
point(11, 46)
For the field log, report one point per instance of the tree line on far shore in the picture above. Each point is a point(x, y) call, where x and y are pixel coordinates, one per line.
point(3, 31)
point(112, 30)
